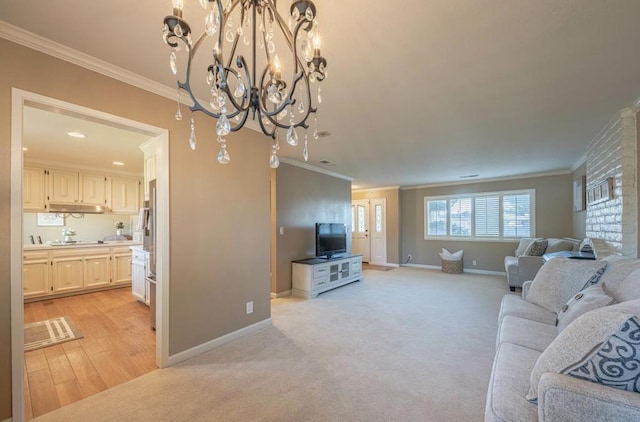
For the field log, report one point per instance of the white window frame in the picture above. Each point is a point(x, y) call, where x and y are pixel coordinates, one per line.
point(473, 237)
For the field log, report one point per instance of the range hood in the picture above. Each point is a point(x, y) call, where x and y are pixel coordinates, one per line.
point(77, 209)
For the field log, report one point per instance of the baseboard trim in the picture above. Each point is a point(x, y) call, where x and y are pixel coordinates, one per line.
point(384, 264)
point(466, 270)
point(210, 345)
point(281, 294)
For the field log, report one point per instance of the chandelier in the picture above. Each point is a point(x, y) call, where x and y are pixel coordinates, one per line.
point(259, 88)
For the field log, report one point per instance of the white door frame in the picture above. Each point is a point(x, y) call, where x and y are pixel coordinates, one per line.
point(18, 99)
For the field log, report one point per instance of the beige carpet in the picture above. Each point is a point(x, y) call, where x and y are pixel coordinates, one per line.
point(405, 345)
point(49, 332)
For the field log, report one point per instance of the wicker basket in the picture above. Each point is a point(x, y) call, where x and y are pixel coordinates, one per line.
point(451, 267)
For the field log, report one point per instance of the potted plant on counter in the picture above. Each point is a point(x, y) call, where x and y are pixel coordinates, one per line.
point(119, 225)
point(68, 234)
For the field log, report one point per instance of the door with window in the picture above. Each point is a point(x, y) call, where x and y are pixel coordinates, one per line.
point(378, 231)
point(360, 222)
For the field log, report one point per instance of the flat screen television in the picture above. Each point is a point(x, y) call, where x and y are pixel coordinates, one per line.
point(331, 239)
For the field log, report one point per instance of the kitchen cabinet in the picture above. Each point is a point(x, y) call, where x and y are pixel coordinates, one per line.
point(63, 186)
point(34, 190)
point(93, 189)
point(97, 269)
point(35, 274)
point(121, 271)
point(68, 273)
point(124, 195)
point(149, 150)
point(139, 285)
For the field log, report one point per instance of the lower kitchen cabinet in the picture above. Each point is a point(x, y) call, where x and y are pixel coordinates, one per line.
point(139, 284)
point(35, 274)
point(58, 272)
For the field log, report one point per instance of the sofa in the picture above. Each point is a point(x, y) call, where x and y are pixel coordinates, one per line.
point(555, 345)
point(527, 259)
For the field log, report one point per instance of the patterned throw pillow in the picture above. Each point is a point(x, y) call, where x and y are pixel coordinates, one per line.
point(536, 248)
point(577, 343)
point(616, 363)
point(591, 298)
point(560, 279)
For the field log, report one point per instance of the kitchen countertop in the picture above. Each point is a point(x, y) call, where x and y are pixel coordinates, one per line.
point(81, 244)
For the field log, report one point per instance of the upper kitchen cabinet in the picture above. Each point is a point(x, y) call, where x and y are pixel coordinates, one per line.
point(93, 189)
point(63, 186)
point(124, 195)
point(149, 150)
point(34, 189)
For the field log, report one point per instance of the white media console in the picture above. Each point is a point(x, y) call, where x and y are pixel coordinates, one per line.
point(312, 276)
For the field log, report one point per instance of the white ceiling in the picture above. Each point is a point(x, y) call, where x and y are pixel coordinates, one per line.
point(419, 91)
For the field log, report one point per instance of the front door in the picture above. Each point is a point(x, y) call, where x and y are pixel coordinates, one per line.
point(378, 233)
point(360, 220)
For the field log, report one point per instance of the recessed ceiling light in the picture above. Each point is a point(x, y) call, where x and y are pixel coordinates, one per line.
point(77, 135)
point(118, 163)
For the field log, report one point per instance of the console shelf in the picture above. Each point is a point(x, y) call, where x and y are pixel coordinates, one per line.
point(312, 276)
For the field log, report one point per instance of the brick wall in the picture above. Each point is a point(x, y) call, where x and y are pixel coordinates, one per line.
point(613, 154)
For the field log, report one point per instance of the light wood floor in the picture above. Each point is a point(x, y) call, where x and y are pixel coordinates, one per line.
point(118, 345)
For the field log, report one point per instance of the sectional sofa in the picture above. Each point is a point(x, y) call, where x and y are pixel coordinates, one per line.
point(568, 349)
point(527, 258)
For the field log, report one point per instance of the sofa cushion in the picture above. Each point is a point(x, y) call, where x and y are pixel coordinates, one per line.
point(559, 279)
point(513, 305)
point(579, 339)
point(526, 333)
point(508, 385)
point(618, 268)
point(627, 289)
point(523, 245)
point(616, 363)
point(536, 248)
point(557, 245)
point(591, 298)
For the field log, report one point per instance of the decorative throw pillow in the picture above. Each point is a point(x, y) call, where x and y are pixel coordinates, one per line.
point(536, 248)
point(560, 279)
point(627, 289)
point(578, 341)
point(591, 298)
point(616, 363)
point(618, 268)
point(523, 245)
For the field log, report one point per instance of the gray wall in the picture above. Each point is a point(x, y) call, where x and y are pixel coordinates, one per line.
point(303, 198)
point(579, 217)
point(392, 197)
point(219, 228)
point(554, 205)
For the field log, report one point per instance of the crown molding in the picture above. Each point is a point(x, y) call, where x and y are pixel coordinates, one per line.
point(314, 168)
point(44, 45)
point(495, 179)
point(580, 161)
point(375, 189)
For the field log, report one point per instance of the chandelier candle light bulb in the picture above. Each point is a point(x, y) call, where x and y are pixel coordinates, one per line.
point(239, 88)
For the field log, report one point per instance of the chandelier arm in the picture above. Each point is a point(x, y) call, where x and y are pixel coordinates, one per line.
point(245, 104)
point(263, 106)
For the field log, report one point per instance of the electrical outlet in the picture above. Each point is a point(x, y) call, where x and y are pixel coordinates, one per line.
point(281, 230)
point(475, 262)
point(249, 307)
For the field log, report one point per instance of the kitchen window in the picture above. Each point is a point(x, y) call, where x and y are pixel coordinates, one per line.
point(483, 216)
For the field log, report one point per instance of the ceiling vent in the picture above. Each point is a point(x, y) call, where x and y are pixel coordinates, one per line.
point(327, 163)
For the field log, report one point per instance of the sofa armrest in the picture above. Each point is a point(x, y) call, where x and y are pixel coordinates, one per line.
point(525, 288)
point(567, 399)
point(528, 267)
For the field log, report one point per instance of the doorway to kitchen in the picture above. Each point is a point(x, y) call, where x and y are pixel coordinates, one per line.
point(110, 302)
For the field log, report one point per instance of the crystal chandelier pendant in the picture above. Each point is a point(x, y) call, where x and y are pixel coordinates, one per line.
point(305, 150)
point(274, 162)
point(315, 131)
point(211, 23)
point(192, 136)
point(292, 136)
point(172, 63)
point(319, 95)
point(178, 114)
point(223, 127)
point(240, 89)
point(223, 155)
